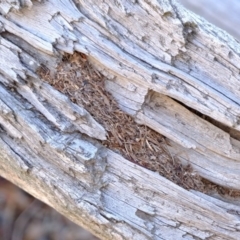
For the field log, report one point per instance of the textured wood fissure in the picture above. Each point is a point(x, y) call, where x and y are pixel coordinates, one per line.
point(189, 143)
point(151, 52)
point(173, 93)
point(234, 134)
point(181, 85)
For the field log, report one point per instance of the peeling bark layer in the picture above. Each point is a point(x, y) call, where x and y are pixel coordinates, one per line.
point(168, 68)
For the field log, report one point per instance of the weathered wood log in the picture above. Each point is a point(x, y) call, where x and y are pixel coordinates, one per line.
point(166, 67)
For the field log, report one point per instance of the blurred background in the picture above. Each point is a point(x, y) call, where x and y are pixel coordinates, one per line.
point(224, 13)
point(24, 218)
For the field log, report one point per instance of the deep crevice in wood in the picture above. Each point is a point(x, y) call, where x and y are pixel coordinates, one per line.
point(137, 143)
point(235, 134)
point(167, 165)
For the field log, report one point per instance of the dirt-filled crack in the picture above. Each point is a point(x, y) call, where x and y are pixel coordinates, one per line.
point(76, 78)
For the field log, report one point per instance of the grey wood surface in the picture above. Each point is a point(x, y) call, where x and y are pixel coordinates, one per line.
point(160, 61)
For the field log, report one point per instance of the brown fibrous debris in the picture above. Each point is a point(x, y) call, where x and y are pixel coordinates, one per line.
point(84, 85)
